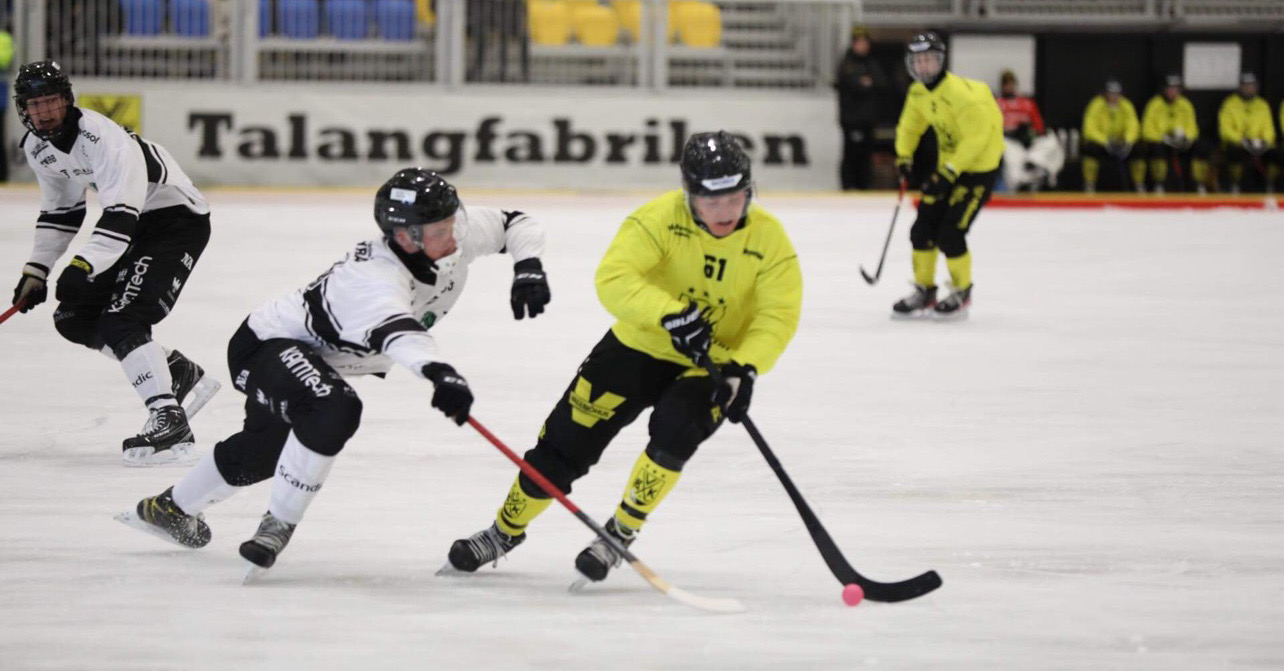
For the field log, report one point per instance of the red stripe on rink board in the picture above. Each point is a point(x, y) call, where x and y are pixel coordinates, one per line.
point(1135, 201)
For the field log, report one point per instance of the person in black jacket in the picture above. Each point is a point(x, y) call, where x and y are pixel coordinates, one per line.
point(860, 82)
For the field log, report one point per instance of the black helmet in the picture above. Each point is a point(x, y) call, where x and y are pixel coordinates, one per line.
point(413, 197)
point(927, 42)
point(38, 79)
point(714, 164)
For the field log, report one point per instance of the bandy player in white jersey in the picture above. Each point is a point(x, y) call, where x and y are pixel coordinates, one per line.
point(370, 310)
point(129, 274)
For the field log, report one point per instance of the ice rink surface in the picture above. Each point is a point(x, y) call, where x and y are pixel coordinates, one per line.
point(1093, 462)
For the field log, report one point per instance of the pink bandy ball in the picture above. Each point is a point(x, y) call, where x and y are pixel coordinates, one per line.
point(853, 594)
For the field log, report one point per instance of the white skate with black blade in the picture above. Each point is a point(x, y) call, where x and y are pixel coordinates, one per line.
point(955, 306)
point(916, 305)
point(166, 440)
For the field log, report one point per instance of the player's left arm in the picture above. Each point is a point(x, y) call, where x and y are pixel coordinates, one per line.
point(978, 129)
point(778, 296)
point(120, 171)
point(493, 231)
point(1188, 120)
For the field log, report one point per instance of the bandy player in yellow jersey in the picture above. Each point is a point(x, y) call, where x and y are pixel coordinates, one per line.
point(969, 132)
point(700, 272)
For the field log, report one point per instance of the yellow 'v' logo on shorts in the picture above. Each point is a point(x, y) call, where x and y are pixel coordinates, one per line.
point(587, 411)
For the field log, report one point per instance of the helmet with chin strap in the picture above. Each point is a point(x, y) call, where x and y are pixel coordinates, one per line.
point(39, 79)
point(411, 198)
point(714, 164)
point(925, 43)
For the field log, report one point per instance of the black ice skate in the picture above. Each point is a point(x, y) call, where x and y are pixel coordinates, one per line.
point(268, 542)
point(160, 517)
point(166, 439)
point(596, 560)
point(917, 304)
point(955, 305)
point(192, 387)
point(485, 546)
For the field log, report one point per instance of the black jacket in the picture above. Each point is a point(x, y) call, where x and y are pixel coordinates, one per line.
point(858, 105)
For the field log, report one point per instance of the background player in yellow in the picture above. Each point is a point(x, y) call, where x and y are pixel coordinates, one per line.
point(969, 133)
point(1110, 132)
point(1170, 134)
point(1248, 134)
point(698, 273)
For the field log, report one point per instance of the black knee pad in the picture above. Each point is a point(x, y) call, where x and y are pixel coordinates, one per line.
point(122, 333)
point(78, 327)
point(557, 467)
point(325, 424)
point(952, 242)
point(681, 421)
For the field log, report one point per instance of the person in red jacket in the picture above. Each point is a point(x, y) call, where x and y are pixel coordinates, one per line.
point(1030, 156)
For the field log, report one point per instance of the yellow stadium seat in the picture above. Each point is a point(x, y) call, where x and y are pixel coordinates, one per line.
point(595, 25)
point(550, 22)
point(699, 24)
point(423, 9)
point(576, 4)
point(630, 13)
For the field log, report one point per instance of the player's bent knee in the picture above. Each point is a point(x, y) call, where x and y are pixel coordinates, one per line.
point(122, 334)
point(77, 328)
point(329, 422)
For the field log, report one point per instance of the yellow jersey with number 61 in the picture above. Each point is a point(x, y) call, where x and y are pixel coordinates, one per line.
point(748, 284)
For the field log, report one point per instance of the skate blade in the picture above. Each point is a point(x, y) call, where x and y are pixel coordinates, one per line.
point(917, 315)
point(578, 585)
point(449, 571)
point(253, 573)
point(201, 393)
point(956, 316)
point(181, 454)
point(130, 518)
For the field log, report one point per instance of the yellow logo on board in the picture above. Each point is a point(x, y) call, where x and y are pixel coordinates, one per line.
point(124, 110)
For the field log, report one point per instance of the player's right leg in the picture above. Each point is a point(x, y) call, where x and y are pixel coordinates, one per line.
point(614, 384)
point(923, 241)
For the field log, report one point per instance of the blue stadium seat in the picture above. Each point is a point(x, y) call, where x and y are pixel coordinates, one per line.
point(265, 18)
point(191, 17)
point(143, 17)
point(396, 19)
point(347, 19)
point(298, 19)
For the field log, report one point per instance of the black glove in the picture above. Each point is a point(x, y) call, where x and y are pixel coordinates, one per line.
point(905, 168)
point(31, 288)
point(690, 333)
point(530, 288)
point(74, 281)
point(736, 390)
point(451, 395)
point(939, 185)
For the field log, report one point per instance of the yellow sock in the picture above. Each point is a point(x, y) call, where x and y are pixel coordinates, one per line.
point(519, 509)
point(1138, 171)
point(925, 267)
point(648, 485)
point(1091, 167)
point(1159, 170)
point(1199, 170)
point(960, 270)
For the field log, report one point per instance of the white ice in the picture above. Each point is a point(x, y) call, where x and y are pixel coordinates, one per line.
point(1092, 462)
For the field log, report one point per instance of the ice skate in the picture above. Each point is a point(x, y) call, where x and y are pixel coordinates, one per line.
point(955, 306)
point(166, 440)
point(160, 517)
point(269, 541)
point(917, 304)
point(486, 546)
point(596, 561)
point(192, 387)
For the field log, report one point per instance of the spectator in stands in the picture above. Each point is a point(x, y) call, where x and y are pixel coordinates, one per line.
point(1110, 132)
point(862, 84)
point(1170, 136)
point(501, 22)
point(6, 59)
point(1030, 156)
point(1248, 134)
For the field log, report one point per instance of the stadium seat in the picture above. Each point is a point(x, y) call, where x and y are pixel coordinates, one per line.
point(698, 24)
point(630, 14)
point(191, 17)
point(395, 19)
point(143, 17)
point(550, 22)
point(298, 19)
point(265, 18)
point(346, 19)
point(423, 9)
point(595, 25)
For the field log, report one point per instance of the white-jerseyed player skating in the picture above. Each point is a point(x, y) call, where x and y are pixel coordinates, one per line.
point(370, 310)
